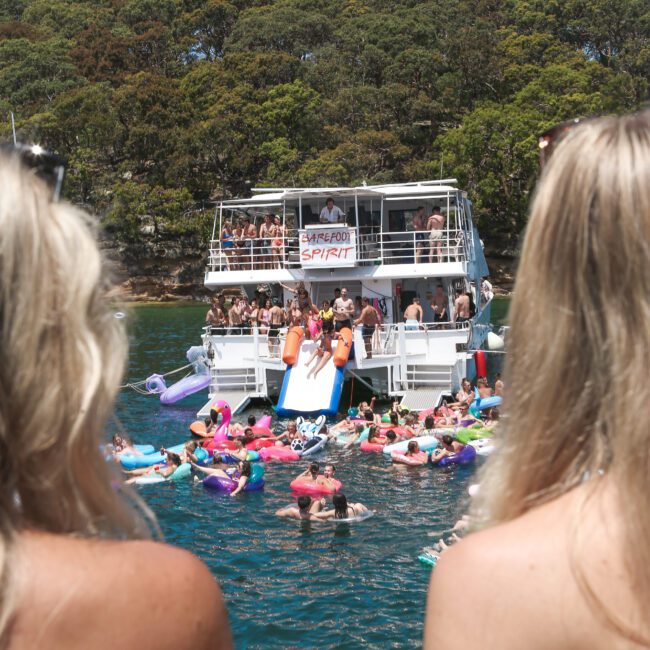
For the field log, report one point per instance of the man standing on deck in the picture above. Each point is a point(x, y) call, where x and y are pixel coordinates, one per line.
point(413, 315)
point(276, 321)
point(343, 310)
point(435, 225)
point(234, 318)
point(461, 307)
point(250, 241)
point(331, 213)
point(215, 318)
point(369, 320)
point(439, 305)
point(420, 228)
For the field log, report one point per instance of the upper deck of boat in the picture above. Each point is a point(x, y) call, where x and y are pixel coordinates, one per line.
point(374, 239)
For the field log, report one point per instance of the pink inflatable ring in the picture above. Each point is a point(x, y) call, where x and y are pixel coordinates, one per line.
point(313, 488)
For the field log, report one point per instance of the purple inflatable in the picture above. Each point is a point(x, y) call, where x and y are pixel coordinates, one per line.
point(185, 387)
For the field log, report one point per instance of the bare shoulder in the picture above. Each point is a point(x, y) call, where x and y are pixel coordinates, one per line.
point(130, 590)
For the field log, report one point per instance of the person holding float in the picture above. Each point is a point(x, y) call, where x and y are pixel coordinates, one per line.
point(311, 482)
point(306, 510)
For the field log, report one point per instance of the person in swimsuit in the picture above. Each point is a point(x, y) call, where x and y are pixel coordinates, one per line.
point(450, 447)
point(172, 463)
point(289, 435)
point(343, 309)
point(413, 315)
point(276, 321)
point(265, 249)
point(187, 454)
point(277, 242)
point(484, 391)
point(228, 245)
point(122, 445)
point(241, 475)
point(421, 235)
point(216, 319)
point(264, 316)
point(342, 509)
point(369, 320)
point(461, 307)
point(435, 225)
point(439, 304)
point(323, 351)
point(306, 510)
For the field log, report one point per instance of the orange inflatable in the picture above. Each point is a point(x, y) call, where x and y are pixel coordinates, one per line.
point(198, 429)
point(343, 347)
point(292, 345)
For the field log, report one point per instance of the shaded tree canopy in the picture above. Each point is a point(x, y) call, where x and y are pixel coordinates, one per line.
point(162, 106)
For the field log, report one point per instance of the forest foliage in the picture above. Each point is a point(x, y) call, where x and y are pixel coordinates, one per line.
point(162, 106)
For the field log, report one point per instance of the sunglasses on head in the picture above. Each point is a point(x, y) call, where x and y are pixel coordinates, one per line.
point(47, 165)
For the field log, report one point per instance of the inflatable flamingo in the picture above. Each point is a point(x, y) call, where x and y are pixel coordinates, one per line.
point(221, 434)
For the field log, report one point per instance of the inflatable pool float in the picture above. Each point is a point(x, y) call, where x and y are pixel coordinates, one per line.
point(278, 453)
point(467, 435)
point(428, 559)
point(422, 415)
point(466, 455)
point(298, 446)
point(313, 488)
point(371, 446)
point(352, 520)
point(198, 429)
point(223, 445)
point(426, 443)
point(413, 461)
point(485, 450)
point(136, 462)
point(225, 457)
point(223, 484)
point(400, 431)
point(260, 443)
point(182, 471)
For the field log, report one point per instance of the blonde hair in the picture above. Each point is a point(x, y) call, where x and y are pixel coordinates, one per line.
point(580, 337)
point(62, 355)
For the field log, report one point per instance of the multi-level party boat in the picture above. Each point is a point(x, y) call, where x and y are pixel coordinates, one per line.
point(373, 251)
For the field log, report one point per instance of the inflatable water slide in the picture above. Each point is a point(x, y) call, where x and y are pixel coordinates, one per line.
point(309, 396)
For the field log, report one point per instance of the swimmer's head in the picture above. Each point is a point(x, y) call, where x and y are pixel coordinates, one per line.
point(413, 446)
point(428, 422)
point(251, 420)
point(304, 502)
point(394, 419)
point(245, 468)
point(191, 445)
point(207, 421)
point(173, 458)
point(359, 429)
point(340, 503)
point(493, 413)
point(329, 471)
point(391, 435)
point(314, 468)
point(368, 415)
point(239, 445)
point(447, 439)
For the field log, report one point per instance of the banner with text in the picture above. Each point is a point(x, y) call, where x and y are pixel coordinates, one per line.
point(328, 247)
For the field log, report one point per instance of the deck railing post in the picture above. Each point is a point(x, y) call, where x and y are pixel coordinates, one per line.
point(401, 342)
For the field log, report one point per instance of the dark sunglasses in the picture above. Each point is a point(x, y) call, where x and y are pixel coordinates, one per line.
point(47, 165)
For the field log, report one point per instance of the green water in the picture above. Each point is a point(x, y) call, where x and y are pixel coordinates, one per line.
point(289, 584)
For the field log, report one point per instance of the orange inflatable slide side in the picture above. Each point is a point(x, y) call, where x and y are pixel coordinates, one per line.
point(343, 347)
point(292, 345)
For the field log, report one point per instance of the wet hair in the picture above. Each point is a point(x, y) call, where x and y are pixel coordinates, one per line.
point(429, 422)
point(391, 435)
point(340, 503)
point(248, 432)
point(174, 458)
point(251, 420)
point(372, 433)
point(394, 419)
point(314, 467)
point(359, 429)
point(191, 445)
point(304, 502)
point(207, 421)
point(447, 439)
point(214, 416)
point(482, 381)
point(246, 468)
point(332, 466)
point(412, 446)
point(369, 415)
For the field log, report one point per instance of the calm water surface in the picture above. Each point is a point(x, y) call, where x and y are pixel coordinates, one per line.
point(291, 584)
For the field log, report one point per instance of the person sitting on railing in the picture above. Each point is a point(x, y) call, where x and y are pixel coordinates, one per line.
point(369, 321)
point(266, 233)
point(277, 243)
point(216, 319)
point(461, 307)
point(439, 304)
point(413, 314)
point(227, 244)
point(331, 213)
point(435, 226)
point(234, 317)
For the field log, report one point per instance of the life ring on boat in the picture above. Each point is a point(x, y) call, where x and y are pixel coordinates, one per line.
point(305, 486)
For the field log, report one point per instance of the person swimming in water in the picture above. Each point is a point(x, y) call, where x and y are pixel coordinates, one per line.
point(172, 463)
point(326, 479)
point(306, 510)
point(342, 509)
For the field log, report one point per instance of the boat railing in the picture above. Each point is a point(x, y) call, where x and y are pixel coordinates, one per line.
point(403, 247)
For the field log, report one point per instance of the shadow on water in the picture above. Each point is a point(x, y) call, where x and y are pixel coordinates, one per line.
point(291, 584)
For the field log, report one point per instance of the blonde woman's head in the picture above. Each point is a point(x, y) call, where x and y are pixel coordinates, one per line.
point(62, 355)
point(580, 333)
